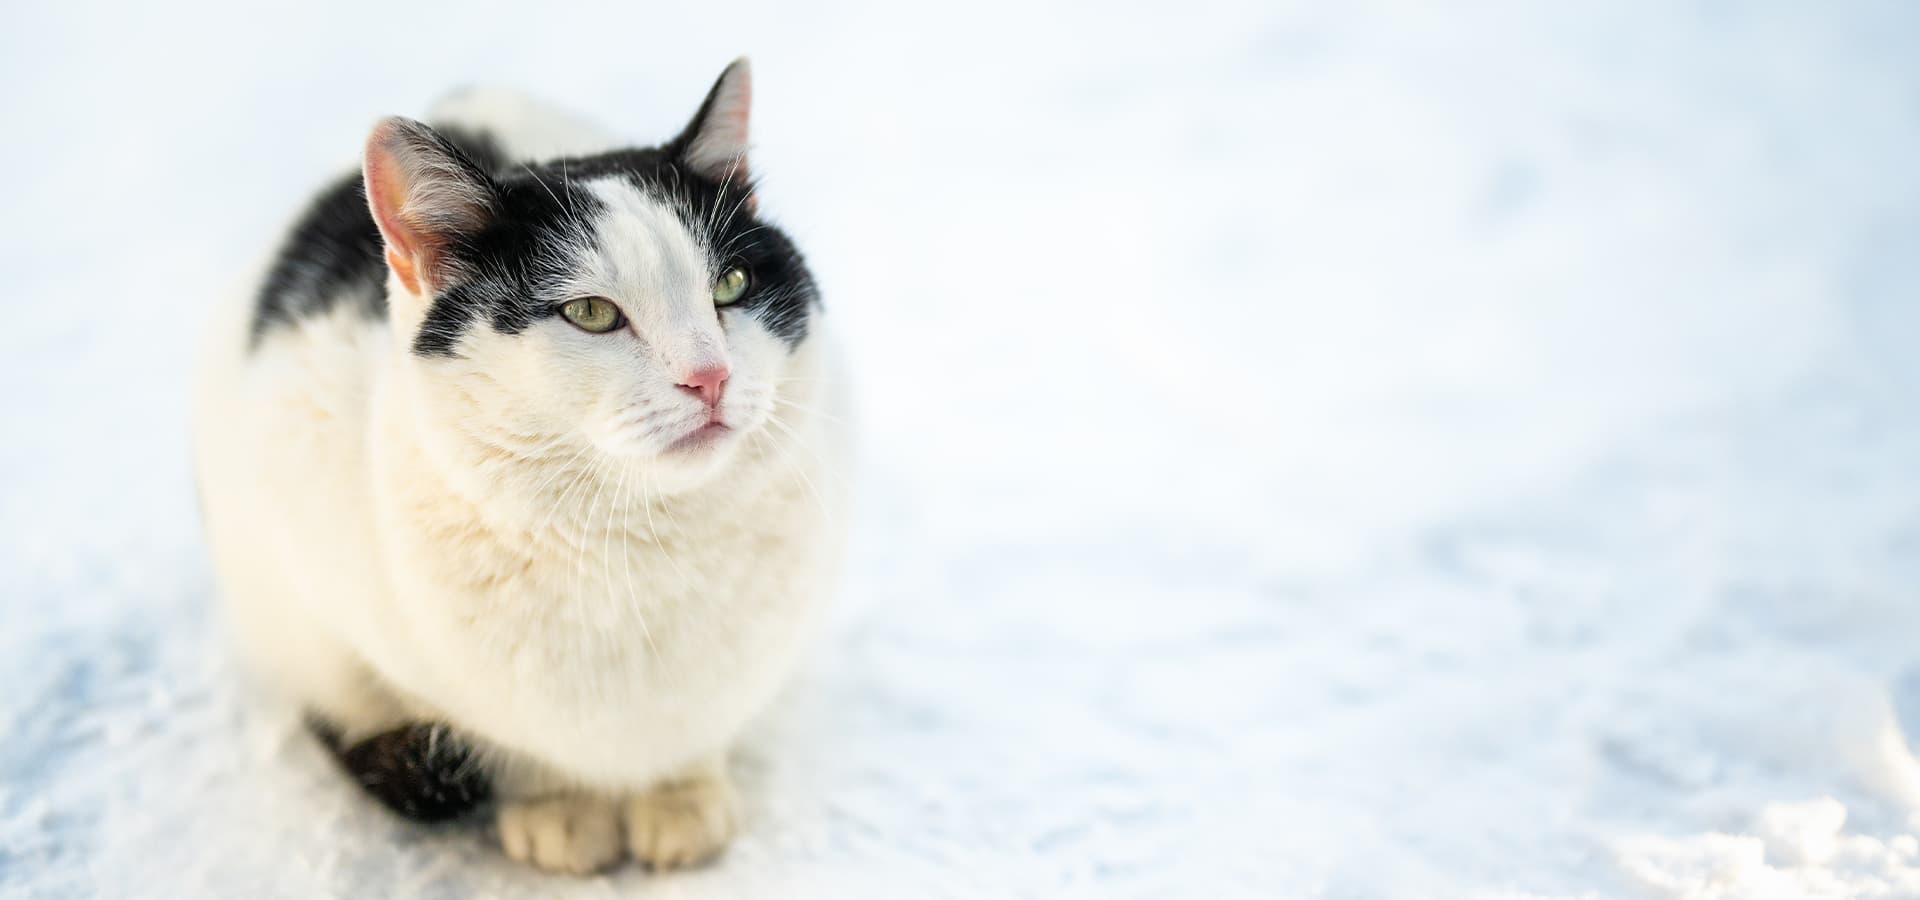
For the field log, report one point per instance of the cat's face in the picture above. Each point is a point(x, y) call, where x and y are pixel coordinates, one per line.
point(630, 301)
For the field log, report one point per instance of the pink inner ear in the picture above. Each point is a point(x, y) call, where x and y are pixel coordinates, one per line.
point(733, 114)
point(417, 195)
point(732, 107)
point(719, 149)
point(386, 194)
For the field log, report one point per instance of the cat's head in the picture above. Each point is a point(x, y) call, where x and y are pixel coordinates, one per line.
point(632, 300)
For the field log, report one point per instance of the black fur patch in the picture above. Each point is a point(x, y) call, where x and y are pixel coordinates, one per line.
point(331, 257)
point(420, 771)
point(334, 254)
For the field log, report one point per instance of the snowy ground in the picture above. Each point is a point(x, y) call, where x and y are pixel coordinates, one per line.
point(1360, 451)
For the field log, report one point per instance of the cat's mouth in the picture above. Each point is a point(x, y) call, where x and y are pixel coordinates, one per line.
point(700, 439)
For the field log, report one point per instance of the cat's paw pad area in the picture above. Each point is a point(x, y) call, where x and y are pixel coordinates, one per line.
point(575, 835)
point(682, 823)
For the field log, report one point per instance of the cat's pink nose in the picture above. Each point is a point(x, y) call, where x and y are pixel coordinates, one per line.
point(706, 383)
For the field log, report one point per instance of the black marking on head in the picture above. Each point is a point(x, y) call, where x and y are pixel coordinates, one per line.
point(516, 262)
point(420, 771)
point(509, 268)
point(334, 256)
point(331, 257)
point(780, 291)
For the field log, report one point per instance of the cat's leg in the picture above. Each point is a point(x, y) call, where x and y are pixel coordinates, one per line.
point(416, 767)
point(421, 770)
point(684, 820)
point(578, 834)
point(548, 823)
point(344, 701)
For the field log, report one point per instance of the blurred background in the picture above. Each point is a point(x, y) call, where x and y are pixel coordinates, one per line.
point(1346, 450)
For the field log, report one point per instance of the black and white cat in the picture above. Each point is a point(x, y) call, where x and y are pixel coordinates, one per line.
point(521, 473)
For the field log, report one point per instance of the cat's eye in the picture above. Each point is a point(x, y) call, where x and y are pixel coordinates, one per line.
point(595, 314)
point(731, 286)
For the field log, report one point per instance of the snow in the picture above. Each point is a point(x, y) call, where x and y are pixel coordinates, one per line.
point(1351, 451)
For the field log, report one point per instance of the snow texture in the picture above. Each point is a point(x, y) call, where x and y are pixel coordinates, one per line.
point(1426, 450)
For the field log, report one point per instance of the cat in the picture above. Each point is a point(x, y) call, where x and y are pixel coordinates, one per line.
point(523, 473)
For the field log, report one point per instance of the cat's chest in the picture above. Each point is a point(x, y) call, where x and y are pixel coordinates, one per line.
point(613, 633)
point(622, 573)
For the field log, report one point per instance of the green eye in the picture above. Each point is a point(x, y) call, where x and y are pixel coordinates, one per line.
point(595, 314)
point(731, 286)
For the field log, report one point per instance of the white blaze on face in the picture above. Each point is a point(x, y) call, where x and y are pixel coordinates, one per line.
point(648, 263)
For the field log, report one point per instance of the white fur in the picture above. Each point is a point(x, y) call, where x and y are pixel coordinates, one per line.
point(501, 542)
point(529, 128)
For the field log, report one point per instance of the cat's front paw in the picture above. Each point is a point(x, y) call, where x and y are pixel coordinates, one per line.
point(573, 834)
point(683, 822)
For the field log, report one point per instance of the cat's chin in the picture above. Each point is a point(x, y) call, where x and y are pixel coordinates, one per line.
point(703, 440)
point(692, 459)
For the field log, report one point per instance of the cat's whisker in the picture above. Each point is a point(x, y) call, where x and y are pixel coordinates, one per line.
point(809, 410)
point(577, 478)
point(658, 545)
point(580, 561)
point(746, 193)
point(626, 549)
point(795, 465)
point(667, 511)
point(558, 471)
point(537, 492)
point(543, 185)
point(606, 542)
point(733, 242)
point(788, 429)
point(543, 451)
point(566, 513)
point(601, 632)
point(735, 164)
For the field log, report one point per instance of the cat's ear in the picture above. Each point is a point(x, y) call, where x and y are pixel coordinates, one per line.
point(425, 194)
point(715, 142)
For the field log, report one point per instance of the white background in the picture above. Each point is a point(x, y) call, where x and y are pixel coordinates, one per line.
point(1354, 451)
